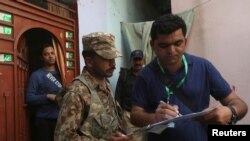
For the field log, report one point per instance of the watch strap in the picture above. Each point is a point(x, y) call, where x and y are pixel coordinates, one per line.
point(234, 117)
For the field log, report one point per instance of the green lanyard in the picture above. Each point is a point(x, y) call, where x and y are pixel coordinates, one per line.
point(169, 92)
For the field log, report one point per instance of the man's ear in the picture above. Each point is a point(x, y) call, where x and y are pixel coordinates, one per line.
point(89, 61)
point(152, 44)
point(185, 42)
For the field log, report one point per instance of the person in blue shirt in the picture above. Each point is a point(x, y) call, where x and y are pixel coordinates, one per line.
point(184, 82)
point(44, 84)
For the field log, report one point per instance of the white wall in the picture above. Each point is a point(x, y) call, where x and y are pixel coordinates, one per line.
point(221, 33)
point(92, 16)
point(106, 15)
point(129, 11)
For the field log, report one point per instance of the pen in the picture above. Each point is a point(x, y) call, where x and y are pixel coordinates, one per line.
point(178, 113)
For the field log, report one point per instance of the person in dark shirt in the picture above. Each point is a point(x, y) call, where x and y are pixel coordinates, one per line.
point(125, 84)
point(44, 85)
point(127, 79)
point(184, 83)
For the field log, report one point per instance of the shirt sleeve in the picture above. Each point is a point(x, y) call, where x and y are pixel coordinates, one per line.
point(35, 96)
point(71, 114)
point(219, 87)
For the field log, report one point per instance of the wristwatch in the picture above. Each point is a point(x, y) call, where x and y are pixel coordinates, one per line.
point(234, 117)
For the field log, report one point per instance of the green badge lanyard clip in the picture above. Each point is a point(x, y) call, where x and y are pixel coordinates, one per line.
point(169, 92)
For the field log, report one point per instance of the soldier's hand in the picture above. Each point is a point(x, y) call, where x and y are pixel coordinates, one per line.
point(120, 137)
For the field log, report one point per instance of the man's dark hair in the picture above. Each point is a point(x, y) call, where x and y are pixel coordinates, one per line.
point(167, 24)
point(88, 53)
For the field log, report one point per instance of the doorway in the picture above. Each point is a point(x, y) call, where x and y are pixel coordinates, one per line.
point(35, 38)
point(28, 60)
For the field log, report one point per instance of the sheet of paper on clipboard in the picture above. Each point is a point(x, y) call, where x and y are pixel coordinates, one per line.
point(158, 127)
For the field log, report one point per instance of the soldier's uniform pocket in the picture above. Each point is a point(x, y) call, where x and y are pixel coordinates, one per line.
point(103, 125)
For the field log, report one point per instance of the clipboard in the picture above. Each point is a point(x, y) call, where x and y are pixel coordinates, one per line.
point(160, 126)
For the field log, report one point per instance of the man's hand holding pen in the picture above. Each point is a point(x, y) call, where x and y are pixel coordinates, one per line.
point(166, 111)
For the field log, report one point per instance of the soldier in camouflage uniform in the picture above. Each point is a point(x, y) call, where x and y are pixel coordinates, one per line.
point(89, 111)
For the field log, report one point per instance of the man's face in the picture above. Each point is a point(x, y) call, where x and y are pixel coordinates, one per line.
point(169, 48)
point(103, 67)
point(137, 63)
point(48, 56)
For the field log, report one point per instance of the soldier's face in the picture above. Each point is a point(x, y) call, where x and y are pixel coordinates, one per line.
point(137, 63)
point(103, 67)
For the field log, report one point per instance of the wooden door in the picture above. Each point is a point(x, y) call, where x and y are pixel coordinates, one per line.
point(6, 102)
point(22, 120)
point(20, 23)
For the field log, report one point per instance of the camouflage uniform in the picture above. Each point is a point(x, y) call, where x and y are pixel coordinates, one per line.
point(102, 118)
point(88, 111)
